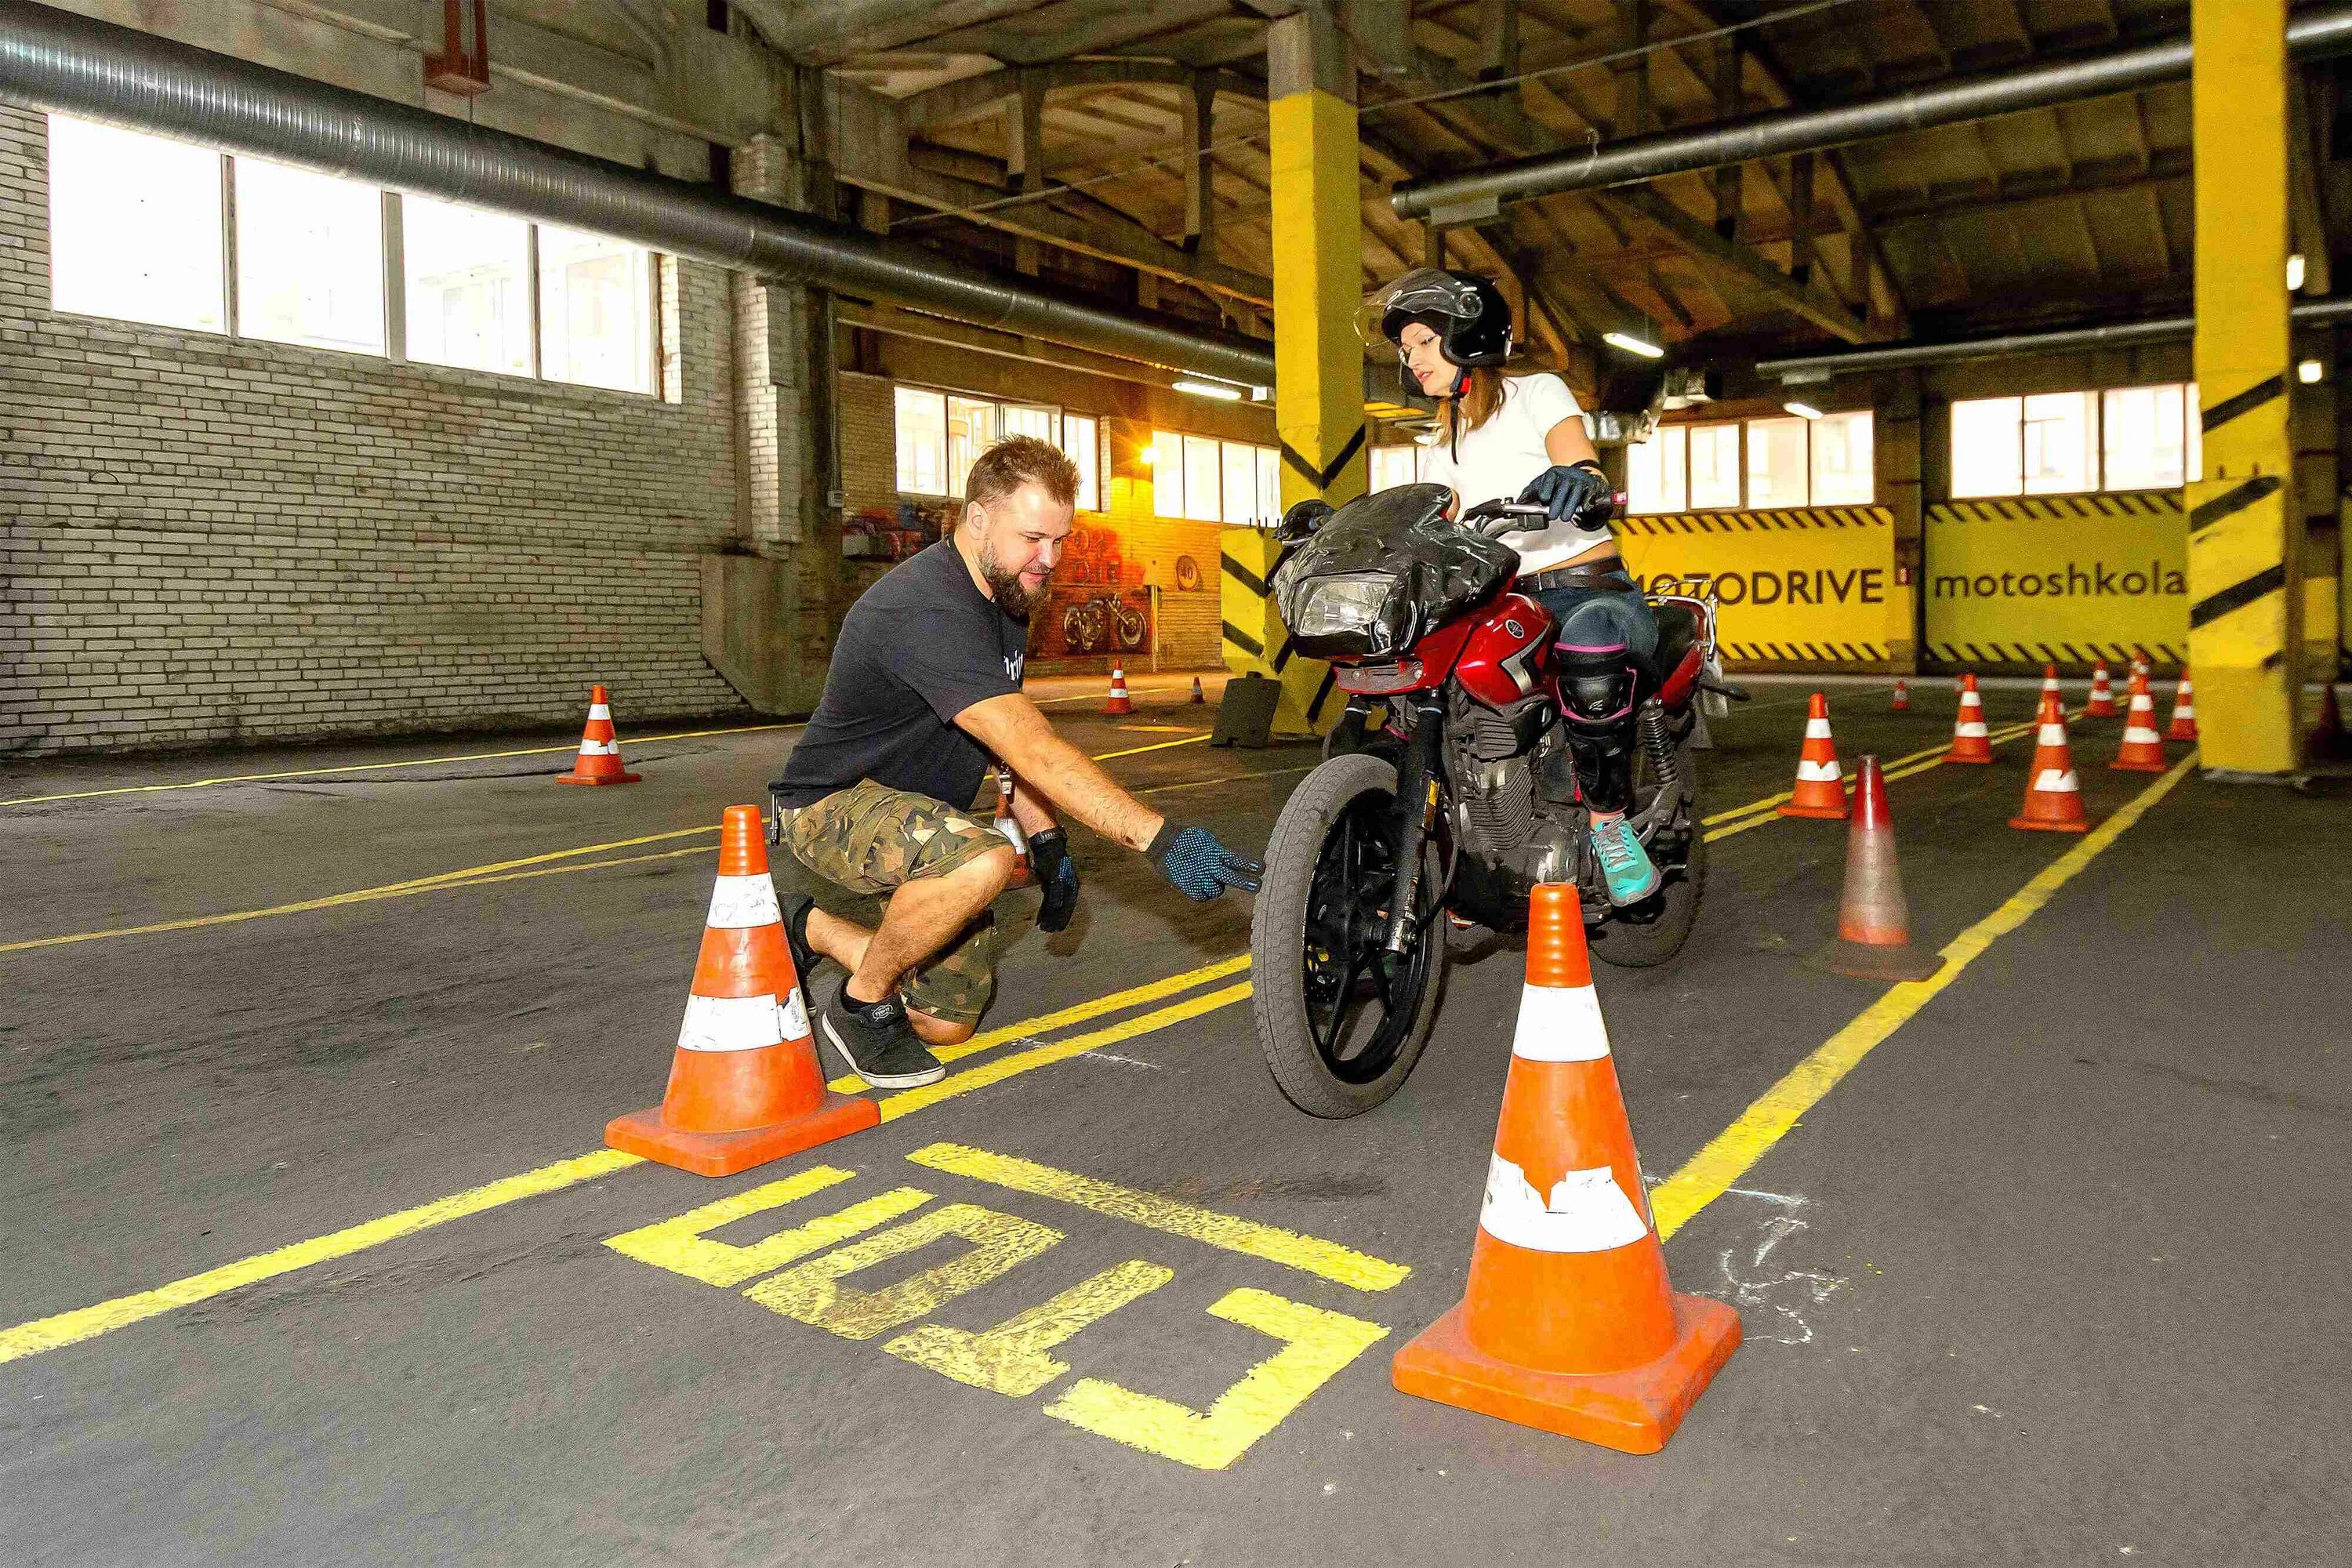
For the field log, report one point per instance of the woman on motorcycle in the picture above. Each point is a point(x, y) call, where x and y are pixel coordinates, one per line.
point(1523, 439)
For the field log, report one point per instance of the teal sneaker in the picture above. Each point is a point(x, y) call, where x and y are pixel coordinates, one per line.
point(1626, 865)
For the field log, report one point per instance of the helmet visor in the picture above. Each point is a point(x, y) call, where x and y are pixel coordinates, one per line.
point(1423, 292)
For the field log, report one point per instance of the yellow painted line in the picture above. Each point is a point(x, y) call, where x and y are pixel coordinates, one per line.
point(88, 1322)
point(1077, 1013)
point(1158, 729)
point(379, 767)
point(1226, 778)
point(1156, 746)
point(907, 1102)
point(1730, 1154)
point(1229, 1232)
point(440, 881)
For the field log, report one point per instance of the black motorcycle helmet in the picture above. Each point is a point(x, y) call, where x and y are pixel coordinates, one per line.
point(1467, 312)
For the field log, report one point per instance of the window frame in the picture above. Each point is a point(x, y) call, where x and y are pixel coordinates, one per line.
point(2095, 399)
point(1261, 457)
point(1061, 415)
point(392, 277)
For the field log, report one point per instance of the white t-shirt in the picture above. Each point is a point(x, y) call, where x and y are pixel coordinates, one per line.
point(1501, 457)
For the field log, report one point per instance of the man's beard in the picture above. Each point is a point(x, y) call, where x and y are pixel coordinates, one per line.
point(1013, 596)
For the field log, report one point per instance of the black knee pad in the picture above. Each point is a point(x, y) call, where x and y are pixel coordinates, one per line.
point(1596, 684)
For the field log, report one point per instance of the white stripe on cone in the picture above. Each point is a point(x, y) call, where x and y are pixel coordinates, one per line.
point(1970, 729)
point(1818, 772)
point(1587, 1212)
point(1559, 1023)
point(1817, 729)
point(2141, 733)
point(742, 903)
point(601, 710)
point(2053, 735)
point(2056, 780)
point(736, 1023)
point(600, 748)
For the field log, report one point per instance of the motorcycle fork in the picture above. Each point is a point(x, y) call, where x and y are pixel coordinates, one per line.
point(1416, 804)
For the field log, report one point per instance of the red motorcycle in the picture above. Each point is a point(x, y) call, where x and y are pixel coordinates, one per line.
point(1449, 786)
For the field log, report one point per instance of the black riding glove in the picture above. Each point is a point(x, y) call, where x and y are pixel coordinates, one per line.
point(1198, 865)
point(1058, 874)
point(1578, 494)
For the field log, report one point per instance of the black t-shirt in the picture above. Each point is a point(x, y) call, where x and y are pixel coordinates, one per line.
point(917, 648)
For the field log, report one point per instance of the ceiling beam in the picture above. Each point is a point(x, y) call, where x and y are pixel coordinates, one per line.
point(1750, 269)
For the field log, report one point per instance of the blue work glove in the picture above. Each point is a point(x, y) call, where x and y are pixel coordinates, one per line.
point(1199, 866)
point(1572, 494)
point(1058, 874)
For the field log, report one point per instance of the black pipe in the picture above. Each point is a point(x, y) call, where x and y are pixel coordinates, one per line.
point(53, 59)
point(2120, 334)
point(2311, 34)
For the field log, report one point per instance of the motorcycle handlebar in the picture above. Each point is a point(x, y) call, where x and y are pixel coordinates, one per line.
point(1484, 518)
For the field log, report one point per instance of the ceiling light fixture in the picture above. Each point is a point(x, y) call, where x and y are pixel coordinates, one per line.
point(1217, 390)
point(2294, 272)
point(1633, 345)
point(2309, 372)
point(1803, 410)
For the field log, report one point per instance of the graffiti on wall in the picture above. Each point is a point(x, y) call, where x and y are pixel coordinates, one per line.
point(1098, 604)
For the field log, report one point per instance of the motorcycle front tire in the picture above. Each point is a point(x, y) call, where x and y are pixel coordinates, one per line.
point(1278, 947)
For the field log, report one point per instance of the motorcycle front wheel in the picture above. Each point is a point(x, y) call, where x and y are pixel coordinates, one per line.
point(1340, 1020)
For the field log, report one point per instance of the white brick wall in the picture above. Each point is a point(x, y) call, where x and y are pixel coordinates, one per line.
point(209, 538)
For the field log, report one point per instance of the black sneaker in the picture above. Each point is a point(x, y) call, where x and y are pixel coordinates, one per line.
point(804, 957)
point(879, 1043)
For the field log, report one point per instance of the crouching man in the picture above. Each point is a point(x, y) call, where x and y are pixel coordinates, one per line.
point(885, 867)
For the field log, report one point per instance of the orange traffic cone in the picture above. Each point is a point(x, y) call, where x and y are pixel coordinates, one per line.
point(2184, 710)
point(2139, 664)
point(745, 1086)
point(2143, 749)
point(1119, 703)
point(1902, 703)
point(1820, 789)
point(2103, 695)
point(1568, 1324)
point(1198, 695)
point(1874, 939)
point(1971, 742)
point(599, 761)
point(2050, 688)
point(2053, 796)
point(2327, 740)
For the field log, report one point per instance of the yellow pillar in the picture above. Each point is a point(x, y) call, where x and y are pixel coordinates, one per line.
point(2245, 590)
point(1318, 396)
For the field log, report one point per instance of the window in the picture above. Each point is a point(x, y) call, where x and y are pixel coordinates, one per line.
point(310, 258)
point(595, 309)
point(941, 433)
point(466, 275)
point(1657, 475)
point(135, 228)
point(1209, 480)
point(922, 423)
point(146, 229)
point(1842, 460)
point(2060, 443)
point(1714, 465)
point(971, 430)
point(2146, 440)
point(1082, 441)
point(1392, 467)
point(2056, 443)
point(1777, 453)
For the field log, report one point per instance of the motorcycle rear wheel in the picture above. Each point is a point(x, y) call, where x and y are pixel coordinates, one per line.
point(1644, 943)
point(1338, 1038)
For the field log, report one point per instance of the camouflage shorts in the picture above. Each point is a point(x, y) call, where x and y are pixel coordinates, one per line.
point(851, 850)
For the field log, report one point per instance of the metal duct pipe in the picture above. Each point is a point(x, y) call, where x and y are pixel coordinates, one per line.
point(55, 61)
point(2120, 335)
point(2319, 31)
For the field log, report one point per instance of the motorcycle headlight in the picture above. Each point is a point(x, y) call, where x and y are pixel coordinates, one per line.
point(1344, 604)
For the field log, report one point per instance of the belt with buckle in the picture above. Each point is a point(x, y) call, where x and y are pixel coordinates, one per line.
point(1613, 578)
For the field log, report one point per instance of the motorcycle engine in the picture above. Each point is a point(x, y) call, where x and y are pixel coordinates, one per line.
point(1512, 832)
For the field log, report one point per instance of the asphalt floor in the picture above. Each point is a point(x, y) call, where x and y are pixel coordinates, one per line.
point(307, 1250)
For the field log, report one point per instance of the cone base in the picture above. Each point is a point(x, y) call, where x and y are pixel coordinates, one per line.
point(585, 779)
point(1867, 961)
point(2095, 712)
point(1837, 813)
point(1985, 761)
point(2120, 766)
point(1120, 712)
point(2179, 739)
point(1633, 1411)
point(2033, 825)
point(645, 1134)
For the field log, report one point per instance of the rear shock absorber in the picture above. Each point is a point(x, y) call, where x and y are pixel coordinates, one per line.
point(1651, 722)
